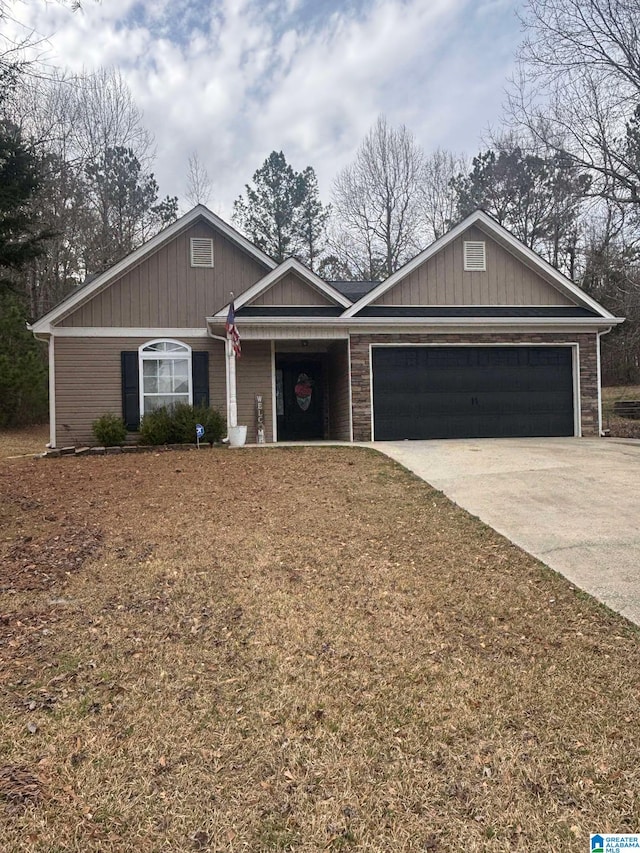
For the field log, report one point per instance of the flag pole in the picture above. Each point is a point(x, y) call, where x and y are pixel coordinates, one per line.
point(233, 394)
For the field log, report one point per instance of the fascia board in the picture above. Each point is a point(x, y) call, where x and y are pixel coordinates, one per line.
point(263, 284)
point(82, 294)
point(497, 231)
point(589, 323)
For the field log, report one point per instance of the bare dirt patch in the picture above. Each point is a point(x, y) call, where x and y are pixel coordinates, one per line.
point(301, 649)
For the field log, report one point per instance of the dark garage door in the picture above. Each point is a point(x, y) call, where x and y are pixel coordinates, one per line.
point(471, 392)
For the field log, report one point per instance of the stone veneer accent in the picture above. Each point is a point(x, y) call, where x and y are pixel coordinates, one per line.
point(361, 381)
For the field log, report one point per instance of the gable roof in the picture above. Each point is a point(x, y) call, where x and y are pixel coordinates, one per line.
point(290, 265)
point(99, 282)
point(498, 232)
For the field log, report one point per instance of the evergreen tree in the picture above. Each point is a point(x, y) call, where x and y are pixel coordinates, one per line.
point(537, 198)
point(19, 241)
point(23, 371)
point(267, 213)
point(312, 217)
point(281, 212)
point(23, 396)
point(125, 205)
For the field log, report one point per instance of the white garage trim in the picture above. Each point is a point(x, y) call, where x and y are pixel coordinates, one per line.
point(575, 367)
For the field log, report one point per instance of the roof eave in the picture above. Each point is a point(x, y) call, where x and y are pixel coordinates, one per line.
point(479, 216)
point(83, 293)
point(589, 323)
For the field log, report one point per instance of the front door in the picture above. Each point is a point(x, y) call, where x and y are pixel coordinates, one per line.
point(299, 400)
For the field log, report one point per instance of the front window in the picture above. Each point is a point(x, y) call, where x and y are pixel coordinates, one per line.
point(165, 375)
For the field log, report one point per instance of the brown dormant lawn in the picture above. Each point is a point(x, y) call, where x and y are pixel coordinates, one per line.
point(299, 649)
point(617, 426)
point(19, 442)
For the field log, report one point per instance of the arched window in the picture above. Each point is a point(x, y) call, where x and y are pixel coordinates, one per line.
point(165, 375)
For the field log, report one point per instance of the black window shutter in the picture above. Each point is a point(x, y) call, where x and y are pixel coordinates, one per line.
point(130, 390)
point(200, 370)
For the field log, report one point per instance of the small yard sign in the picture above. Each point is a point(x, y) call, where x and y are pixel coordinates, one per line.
point(199, 434)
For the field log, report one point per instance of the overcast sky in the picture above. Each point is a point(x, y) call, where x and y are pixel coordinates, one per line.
point(236, 79)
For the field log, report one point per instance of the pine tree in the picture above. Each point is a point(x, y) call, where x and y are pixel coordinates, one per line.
point(281, 212)
point(23, 395)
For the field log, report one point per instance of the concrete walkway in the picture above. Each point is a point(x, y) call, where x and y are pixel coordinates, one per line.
point(573, 503)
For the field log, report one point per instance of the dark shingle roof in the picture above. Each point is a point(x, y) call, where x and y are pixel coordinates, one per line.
point(473, 311)
point(354, 290)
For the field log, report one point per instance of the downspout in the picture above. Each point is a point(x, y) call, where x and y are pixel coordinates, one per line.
point(599, 375)
point(48, 339)
point(225, 341)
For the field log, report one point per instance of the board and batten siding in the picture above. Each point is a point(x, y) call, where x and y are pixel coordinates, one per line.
point(442, 280)
point(89, 382)
point(253, 376)
point(291, 290)
point(339, 399)
point(165, 291)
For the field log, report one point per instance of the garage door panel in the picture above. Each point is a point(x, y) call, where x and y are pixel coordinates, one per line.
point(472, 392)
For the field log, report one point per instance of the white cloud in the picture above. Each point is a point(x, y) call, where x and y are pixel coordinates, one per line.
point(239, 78)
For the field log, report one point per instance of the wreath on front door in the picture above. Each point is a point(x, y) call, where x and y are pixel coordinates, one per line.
point(303, 391)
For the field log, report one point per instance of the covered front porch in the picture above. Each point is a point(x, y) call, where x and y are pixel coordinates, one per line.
point(289, 388)
point(311, 390)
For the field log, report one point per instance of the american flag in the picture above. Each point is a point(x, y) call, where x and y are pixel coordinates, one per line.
point(232, 330)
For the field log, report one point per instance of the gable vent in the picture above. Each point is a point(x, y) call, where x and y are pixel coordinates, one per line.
point(474, 255)
point(201, 252)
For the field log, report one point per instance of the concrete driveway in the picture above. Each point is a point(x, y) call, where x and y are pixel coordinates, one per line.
point(573, 503)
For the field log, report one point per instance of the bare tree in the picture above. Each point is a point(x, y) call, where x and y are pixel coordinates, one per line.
point(106, 116)
point(97, 198)
point(199, 184)
point(578, 87)
point(22, 49)
point(376, 199)
point(82, 116)
point(437, 196)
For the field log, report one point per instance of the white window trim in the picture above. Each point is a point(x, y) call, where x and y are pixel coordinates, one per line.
point(203, 245)
point(155, 356)
point(475, 246)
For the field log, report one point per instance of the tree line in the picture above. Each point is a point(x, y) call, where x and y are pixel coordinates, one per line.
point(77, 190)
point(562, 174)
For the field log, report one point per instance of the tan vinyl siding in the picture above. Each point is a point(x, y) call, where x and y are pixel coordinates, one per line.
point(442, 280)
point(165, 291)
point(88, 381)
point(253, 376)
point(291, 290)
point(339, 403)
